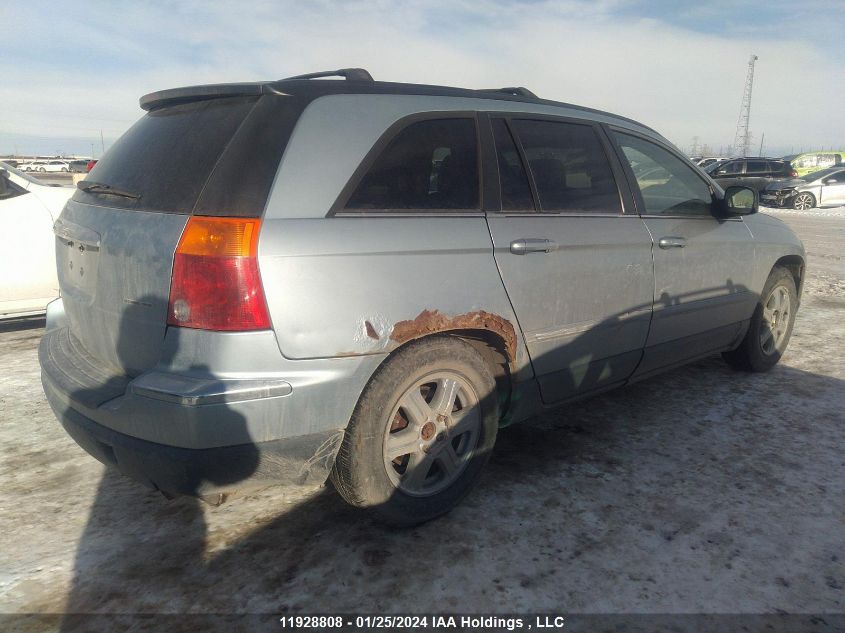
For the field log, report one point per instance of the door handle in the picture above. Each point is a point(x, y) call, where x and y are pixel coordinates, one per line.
point(532, 245)
point(672, 242)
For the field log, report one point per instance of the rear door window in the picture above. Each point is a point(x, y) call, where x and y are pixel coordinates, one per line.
point(569, 167)
point(756, 167)
point(513, 180)
point(430, 165)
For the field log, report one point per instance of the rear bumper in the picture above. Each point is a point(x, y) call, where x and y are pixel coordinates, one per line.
point(189, 431)
point(206, 472)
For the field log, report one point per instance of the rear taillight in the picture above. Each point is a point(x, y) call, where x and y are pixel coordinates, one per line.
point(216, 284)
point(793, 173)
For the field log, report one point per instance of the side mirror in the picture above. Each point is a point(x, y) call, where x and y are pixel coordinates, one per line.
point(739, 201)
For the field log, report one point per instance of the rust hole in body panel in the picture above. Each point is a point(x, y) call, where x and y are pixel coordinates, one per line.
point(433, 321)
point(371, 331)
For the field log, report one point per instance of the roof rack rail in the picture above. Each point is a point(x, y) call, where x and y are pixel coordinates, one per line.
point(350, 74)
point(517, 91)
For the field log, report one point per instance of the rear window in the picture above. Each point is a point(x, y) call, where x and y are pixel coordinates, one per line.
point(209, 157)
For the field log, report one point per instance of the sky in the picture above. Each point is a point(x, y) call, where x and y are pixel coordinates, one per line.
point(75, 70)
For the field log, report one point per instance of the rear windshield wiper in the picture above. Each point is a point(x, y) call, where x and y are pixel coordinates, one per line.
point(97, 187)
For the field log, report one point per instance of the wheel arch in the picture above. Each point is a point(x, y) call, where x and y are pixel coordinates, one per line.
point(493, 347)
point(796, 266)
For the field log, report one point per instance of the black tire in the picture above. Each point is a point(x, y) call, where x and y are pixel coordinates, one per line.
point(750, 355)
point(801, 201)
point(360, 472)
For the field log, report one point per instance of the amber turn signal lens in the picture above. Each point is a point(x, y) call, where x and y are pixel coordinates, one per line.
point(220, 237)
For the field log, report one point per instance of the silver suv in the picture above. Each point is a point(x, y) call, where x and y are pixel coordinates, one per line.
point(286, 281)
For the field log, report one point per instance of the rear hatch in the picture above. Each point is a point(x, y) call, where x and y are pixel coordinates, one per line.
point(204, 155)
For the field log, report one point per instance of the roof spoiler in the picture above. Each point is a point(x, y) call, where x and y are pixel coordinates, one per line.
point(162, 98)
point(200, 93)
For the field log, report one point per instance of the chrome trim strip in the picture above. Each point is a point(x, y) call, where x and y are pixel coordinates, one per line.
point(193, 392)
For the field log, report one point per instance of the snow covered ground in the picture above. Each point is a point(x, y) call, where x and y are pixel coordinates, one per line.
point(703, 490)
point(831, 212)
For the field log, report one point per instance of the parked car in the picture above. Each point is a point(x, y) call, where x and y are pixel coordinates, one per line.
point(825, 188)
point(28, 209)
point(47, 166)
point(79, 166)
point(54, 166)
point(808, 162)
point(709, 161)
point(306, 298)
point(756, 173)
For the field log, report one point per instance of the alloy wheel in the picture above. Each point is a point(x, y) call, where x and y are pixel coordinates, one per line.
point(776, 313)
point(804, 201)
point(432, 434)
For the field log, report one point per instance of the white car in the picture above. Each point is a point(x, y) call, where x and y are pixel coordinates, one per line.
point(28, 209)
point(53, 166)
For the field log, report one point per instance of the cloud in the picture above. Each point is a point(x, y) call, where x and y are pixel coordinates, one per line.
point(74, 69)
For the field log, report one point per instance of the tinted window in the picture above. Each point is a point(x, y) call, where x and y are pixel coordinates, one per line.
point(428, 165)
point(668, 185)
point(169, 154)
point(516, 192)
point(755, 166)
point(570, 169)
point(731, 167)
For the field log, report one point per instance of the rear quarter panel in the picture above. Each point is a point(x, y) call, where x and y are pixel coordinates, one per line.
point(347, 286)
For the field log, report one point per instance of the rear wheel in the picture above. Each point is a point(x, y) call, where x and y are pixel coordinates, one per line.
point(420, 434)
point(771, 325)
point(804, 201)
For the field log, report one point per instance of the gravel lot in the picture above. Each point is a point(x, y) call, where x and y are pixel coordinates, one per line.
point(703, 490)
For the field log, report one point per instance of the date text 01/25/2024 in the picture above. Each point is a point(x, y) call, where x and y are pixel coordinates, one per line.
point(422, 622)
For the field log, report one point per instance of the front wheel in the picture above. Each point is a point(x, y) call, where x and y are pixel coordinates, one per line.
point(771, 325)
point(804, 201)
point(421, 433)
